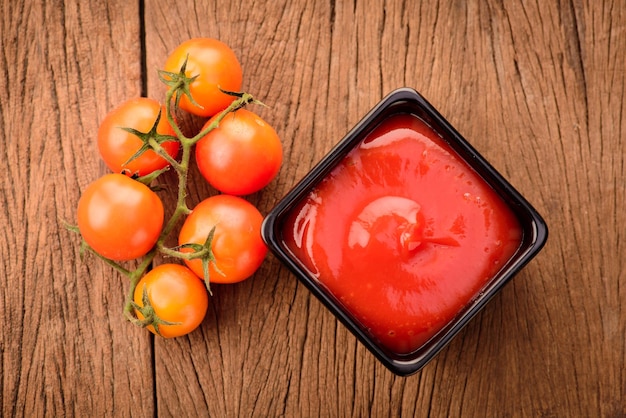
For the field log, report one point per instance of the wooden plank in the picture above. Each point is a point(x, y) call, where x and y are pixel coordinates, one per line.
point(539, 91)
point(66, 349)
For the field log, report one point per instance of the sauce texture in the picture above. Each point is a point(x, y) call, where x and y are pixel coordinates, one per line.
point(403, 233)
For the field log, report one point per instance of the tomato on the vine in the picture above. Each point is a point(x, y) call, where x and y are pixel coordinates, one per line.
point(216, 67)
point(237, 245)
point(241, 156)
point(120, 218)
point(117, 145)
point(176, 295)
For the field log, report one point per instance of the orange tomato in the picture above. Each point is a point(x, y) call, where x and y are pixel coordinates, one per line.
point(241, 156)
point(120, 218)
point(237, 244)
point(216, 67)
point(176, 295)
point(117, 146)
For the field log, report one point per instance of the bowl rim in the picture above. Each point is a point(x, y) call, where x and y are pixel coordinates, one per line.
point(408, 100)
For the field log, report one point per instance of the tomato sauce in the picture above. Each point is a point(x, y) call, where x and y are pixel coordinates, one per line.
point(403, 233)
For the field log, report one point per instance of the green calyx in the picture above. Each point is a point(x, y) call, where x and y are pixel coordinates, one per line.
point(150, 317)
point(204, 252)
point(179, 83)
point(151, 140)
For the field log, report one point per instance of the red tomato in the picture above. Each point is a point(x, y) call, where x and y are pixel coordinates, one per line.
point(215, 65)
point(176, 295)
point(241, 156)
point(117, 146)
point(237, 244)
point(120, 218)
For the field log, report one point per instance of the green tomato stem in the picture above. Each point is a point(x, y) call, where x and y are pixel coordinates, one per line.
point(163, 154)
point(107, 261)
point(134, 278)
point(236, 104)
point(182, 168)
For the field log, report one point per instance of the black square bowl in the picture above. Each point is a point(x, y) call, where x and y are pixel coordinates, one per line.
point(532, 238)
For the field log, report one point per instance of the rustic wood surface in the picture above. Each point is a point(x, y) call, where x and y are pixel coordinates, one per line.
point(537, 87)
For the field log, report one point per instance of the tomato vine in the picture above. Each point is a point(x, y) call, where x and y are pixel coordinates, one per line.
point(139, 310)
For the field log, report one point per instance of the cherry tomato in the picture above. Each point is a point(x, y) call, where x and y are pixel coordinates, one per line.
point(215, 65)
point(241, 156)
point(120, 218)
point(117, 145)
point(237, 244)
point(176, 295)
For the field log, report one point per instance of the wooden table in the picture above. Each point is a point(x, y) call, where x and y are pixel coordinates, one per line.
point(537, 87)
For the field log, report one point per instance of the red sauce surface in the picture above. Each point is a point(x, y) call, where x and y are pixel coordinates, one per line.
point(403, 233)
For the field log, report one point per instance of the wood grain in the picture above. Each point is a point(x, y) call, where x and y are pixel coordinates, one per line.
point(521, 96)
point(537, 87)
point(66, 351)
